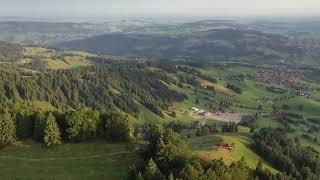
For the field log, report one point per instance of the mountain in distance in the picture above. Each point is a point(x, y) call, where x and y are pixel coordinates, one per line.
point(219, 44)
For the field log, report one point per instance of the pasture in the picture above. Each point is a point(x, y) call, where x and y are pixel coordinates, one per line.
point(86, 160)
point(207, 148)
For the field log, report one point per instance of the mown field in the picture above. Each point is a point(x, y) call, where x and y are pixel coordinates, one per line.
point(86, 160)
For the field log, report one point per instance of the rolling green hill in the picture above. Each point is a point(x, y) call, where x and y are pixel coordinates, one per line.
point(61, 81)
point(219, 44)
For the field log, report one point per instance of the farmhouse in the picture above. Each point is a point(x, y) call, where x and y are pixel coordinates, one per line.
point(200, 112)
point(194, 109)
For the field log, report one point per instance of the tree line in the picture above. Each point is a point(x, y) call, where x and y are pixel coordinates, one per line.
point(286, 154)
point(51, 128)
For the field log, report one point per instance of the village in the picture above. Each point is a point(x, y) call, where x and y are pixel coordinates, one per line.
point(285, 78)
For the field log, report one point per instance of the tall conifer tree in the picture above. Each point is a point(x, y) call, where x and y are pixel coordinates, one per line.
point(7, 129)
point(52, 132)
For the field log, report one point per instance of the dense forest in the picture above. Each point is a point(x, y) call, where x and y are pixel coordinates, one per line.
point(289, 156)
point(114, 85)
point(10, 52)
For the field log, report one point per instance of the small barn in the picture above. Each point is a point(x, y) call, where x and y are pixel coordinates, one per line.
point(227, 146)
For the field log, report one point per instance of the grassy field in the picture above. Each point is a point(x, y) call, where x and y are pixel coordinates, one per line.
point(57, 59)
point(310, 107)
point(88, 160)
point(145, 115)
point(265, 122)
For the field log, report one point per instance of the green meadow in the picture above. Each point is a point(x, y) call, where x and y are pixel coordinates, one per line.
point(86, 160)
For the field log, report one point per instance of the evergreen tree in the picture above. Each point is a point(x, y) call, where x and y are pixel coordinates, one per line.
point(152, 170)
point(171, 177)
point(74, 121)
point(7, 129)
point(197, 100)
point(24, 124)
point(190, 173)
point(139, 176)
point(51, 132)
point(119, 127)
point(39, 126)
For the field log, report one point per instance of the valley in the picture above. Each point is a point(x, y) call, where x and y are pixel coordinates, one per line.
point(125, 98)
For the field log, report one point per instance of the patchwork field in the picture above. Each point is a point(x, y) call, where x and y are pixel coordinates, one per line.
point(54, 59)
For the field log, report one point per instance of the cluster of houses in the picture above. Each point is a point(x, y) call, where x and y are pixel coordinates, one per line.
point(288, 79)
point(201, 112)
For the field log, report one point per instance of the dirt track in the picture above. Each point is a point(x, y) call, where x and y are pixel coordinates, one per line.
point(62, 158)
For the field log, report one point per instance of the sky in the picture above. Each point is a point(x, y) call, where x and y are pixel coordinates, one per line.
point(51, 8)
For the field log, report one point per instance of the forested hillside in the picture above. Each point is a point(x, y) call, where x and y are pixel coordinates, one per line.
point(219, 45)
point(116, 85)
point(10, 52)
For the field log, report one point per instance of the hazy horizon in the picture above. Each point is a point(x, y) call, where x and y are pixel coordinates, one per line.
point(206, 8)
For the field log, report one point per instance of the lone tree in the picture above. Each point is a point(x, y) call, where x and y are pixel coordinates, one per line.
point(7, 129)
point(51, 132)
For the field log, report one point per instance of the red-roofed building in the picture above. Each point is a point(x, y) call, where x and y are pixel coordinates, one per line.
point(227, 146)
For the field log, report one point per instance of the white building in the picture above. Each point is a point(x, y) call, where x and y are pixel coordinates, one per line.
point(195, 109)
